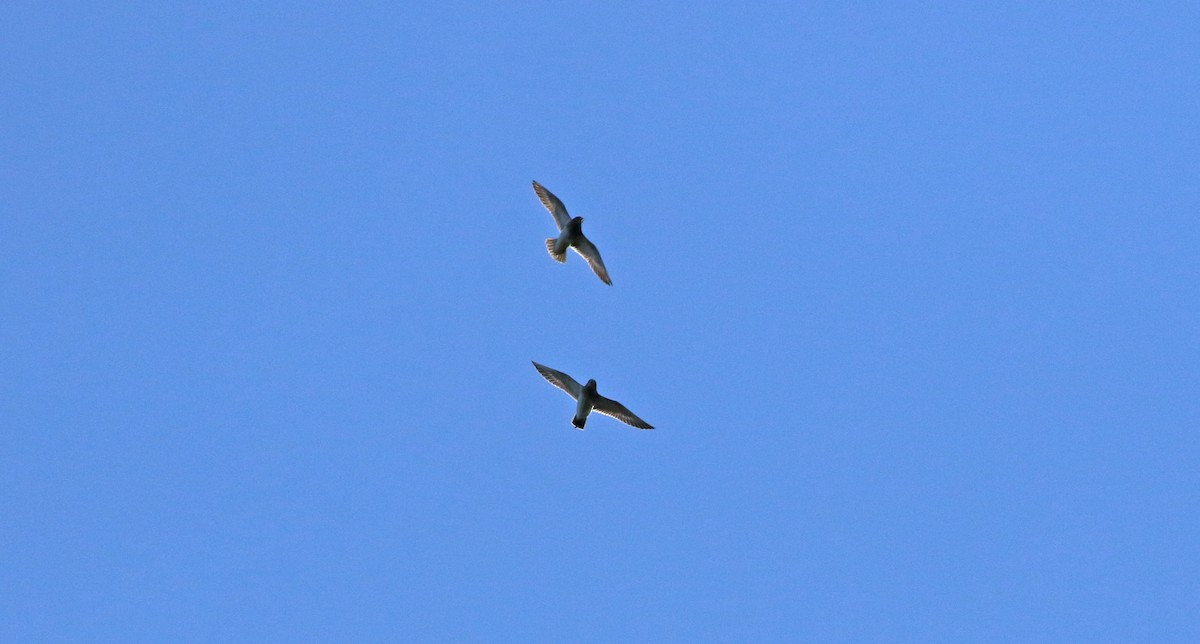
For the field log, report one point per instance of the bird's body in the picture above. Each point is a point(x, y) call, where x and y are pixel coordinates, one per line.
point(584, 404)
point(570, 235)
point(587, 399)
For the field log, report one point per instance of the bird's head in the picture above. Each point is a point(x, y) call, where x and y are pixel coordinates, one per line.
point(591, 385)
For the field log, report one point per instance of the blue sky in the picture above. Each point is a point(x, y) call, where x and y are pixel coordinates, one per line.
point(910, 292)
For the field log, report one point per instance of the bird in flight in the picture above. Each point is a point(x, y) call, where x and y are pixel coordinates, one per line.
point(570, 235)
point(587, 400)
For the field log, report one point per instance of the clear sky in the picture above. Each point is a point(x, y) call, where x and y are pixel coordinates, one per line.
point(909, 291)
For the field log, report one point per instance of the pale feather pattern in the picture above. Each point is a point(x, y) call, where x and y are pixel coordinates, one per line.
point(588, 251)
point(560, 380)
point(610, 407)
point(560, 258)
point(553, 204)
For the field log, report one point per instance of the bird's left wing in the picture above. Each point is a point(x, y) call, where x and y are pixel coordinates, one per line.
point(560, 380)
point(610, 407)
point(553, 204)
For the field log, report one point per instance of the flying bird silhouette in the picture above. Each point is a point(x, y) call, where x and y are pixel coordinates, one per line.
point(570, 235)
point(586, 399)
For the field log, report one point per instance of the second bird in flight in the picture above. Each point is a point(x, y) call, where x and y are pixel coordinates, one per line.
point(570, 235)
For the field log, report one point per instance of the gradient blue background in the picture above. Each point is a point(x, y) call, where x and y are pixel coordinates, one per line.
point(910, 292)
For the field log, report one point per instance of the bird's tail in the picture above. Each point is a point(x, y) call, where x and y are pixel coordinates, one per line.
point(558, 257)
point(579, 422)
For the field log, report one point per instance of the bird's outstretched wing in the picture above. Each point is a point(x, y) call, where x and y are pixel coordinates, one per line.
point(553, 204)
point(610, 407)
point(560, 380)
point(588, 251)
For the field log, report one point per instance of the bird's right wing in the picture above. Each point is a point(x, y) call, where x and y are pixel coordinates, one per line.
point(560, 380)
point(610, 407)
point(553, 204)
point(588, 251)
